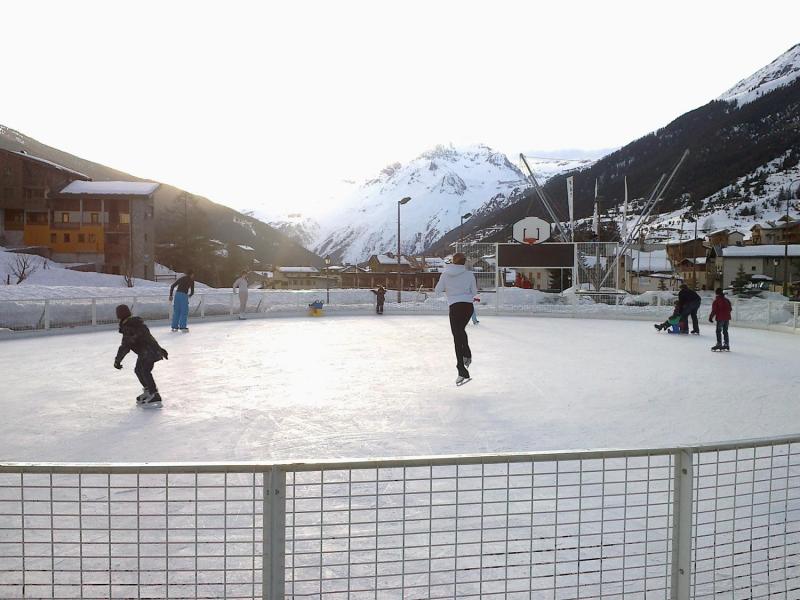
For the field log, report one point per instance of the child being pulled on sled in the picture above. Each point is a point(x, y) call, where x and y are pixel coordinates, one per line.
point(673, 324)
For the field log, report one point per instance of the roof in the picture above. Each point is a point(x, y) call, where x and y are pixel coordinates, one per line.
point(298, 269)
point(776, 250)
point(48, 162)
point(246, 248)
point(104, 188)
point(650, 262)
point(385, 259)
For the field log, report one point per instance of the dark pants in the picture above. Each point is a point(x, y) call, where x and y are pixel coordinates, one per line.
point(144, 371)
point(691, 310)
point(379, 308)
point(460, 314)
point(722, 332)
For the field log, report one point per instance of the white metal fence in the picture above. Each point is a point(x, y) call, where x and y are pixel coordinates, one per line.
point(719, 521)
point(33, 315)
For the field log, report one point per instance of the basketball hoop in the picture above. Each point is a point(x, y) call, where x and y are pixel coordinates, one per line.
point(530, 241)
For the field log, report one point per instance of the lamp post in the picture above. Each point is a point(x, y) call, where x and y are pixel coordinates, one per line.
point(786, 241)
point(461, 231)
point(327, 280)
point(400, 202)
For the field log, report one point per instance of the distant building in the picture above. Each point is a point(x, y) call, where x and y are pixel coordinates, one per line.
point(106, 225)
point(782, 231)
point(767, 259)
point(387, 263)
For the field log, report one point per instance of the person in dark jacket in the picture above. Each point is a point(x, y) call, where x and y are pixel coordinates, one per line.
point(380, 296)
point(721, 309)
point(180, 307)
point(689, 301)
point(136, 337)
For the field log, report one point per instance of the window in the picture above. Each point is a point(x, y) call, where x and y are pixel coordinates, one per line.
point(66, 238)
point(92, 238)
point(95, 218)
point(124, 218)
point(65, 217)
point(81, 238)
point(36, 218)
point(752, 268)
point(52, 238)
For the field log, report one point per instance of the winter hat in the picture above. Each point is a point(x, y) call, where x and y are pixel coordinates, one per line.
point(123, 312)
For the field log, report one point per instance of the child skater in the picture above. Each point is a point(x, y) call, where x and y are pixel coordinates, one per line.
point(137, 337)
point(721, 309)
point(380, 296)
point(674, 324)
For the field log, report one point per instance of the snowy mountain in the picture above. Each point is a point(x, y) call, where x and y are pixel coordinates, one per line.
point(303, 230)
point(444, 183)
point(780, 72)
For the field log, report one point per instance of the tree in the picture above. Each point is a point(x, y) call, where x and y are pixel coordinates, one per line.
point(23, 267)
point(741, 280)
point(559, 279)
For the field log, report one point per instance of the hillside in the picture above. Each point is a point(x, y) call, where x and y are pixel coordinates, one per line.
point(221, 223)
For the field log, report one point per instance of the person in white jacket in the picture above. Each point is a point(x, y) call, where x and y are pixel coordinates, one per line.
point(240, 285)
point(460, 287)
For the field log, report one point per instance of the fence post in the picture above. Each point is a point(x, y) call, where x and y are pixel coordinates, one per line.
point(94, 311)
point(683, 488)
point(273, 534)
point(769, 312)
point(231, 307)
point(47, 314)
point(202, 306)
point(796, 314)
point(735, 308)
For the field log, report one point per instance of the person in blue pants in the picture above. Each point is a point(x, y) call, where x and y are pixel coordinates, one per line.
point(180, 305)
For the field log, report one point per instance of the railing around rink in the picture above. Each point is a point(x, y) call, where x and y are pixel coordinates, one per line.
point(61, 313)
point(712, 521)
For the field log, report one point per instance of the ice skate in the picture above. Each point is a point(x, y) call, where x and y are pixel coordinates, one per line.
point(184, 330)
point(658, 326)
point(154, 398)
point(174, 330)
point(141, 397)
point(726, 348)
point(460, 380)
point(716, 348)
point(695, 333)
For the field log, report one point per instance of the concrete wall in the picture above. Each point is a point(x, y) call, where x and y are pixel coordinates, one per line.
point(143, 234)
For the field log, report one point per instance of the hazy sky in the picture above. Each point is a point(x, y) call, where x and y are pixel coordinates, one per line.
point(271, 103)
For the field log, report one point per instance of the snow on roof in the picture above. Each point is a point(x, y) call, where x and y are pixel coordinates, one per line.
point(127, 188)
point(298, 269)
point(51, 163)
point(776, 250)
point(266, 274)
point(246, 248)
point(718, 231)
point(385, 259)
point(650, 261)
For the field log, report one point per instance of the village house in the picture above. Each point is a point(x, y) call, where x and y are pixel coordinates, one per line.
point(781, 231)
point(766, 260)
point(387, 263)
point(105, 226)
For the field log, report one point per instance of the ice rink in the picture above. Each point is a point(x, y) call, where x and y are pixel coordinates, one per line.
point(355, 387)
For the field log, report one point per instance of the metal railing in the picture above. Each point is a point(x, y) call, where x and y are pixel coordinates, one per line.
point(38, 314)
point(719, 520)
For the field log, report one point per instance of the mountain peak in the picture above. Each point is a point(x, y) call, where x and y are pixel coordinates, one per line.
point(781, 71)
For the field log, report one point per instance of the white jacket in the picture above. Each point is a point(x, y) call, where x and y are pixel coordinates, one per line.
point(458, 283)
point(240, 283)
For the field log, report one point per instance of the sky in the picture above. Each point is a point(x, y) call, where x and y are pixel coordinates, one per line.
point(270, 105)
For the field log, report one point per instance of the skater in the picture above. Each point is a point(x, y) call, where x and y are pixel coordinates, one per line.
point(180, 307)
point(721, 309)
point(460, 287)
point(137, 337)
point(241, 285)
point(380, 297)
point(689, 301)
point(475, 310)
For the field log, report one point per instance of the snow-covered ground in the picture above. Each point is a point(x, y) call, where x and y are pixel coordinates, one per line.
point(344, 386)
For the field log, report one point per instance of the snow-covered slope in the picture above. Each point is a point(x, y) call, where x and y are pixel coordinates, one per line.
point(781, 71)
point(303, 230)
point(443, 183)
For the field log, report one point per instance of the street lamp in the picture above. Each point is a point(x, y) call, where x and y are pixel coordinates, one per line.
point(461, 231)
point(327, 280)
point(400, 202)
point(786, 241)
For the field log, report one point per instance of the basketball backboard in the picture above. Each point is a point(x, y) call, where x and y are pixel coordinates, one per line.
point(531, 230)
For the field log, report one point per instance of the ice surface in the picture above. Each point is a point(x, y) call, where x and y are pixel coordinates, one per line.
point(292, 388)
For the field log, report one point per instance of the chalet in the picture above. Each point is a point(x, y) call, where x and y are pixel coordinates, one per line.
point(295, 278)
point(766, 259)
point(722, 238)
point(387, 263)
point(694, 248)
point(106, 225)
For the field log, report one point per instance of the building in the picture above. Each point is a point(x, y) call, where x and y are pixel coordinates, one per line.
point(387, 263)
point(723, 238)
point(782, 231)
point(765, 259)
point(107, 226)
